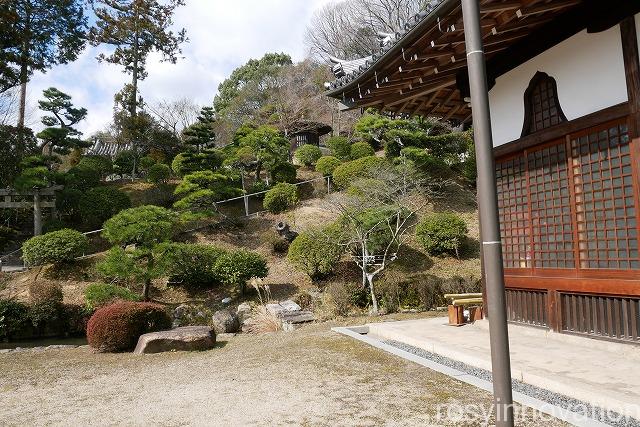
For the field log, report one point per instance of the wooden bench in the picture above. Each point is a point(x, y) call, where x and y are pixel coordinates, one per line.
point(457, 304)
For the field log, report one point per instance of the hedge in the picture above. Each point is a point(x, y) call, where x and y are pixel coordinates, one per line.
point(340, 147)
point(235, 268)
point(283, 172)
point(54, 248)
point(117, 327)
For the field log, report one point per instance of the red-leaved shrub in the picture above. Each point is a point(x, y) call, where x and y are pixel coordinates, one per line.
point(117, 327)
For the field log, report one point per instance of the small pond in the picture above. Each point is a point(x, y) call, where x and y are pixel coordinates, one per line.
point(42, 343)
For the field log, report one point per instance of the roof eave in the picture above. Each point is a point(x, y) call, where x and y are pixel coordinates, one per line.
point(444, 8)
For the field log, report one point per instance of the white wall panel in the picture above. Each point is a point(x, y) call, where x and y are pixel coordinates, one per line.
point(589, 71)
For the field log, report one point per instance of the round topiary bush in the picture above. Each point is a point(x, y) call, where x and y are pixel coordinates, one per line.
point(348, 172)
point(360, 150)
point(117, 327)
point(101, 294)
point(101, 203)
point(159, 173)
point(327, 164)
point(308, 154)
point(340, 147)
point(442, 233)
point(281, 197)
point(314, 253)
point(56, 247)
point(283, 172)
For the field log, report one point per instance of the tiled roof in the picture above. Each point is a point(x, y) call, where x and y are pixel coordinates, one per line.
point(353, 69)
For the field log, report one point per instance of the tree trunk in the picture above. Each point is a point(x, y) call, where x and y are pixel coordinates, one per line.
point(374, 299)
point(146, 289)
point(258, 171)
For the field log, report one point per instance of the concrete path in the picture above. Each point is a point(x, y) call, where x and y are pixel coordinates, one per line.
point(598, 372)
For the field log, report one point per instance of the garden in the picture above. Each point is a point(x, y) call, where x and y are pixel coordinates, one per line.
point(218, 215)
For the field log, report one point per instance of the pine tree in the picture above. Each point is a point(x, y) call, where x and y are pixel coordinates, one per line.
point(60, 136)
point(40, 34)
point(201, 134)
point(136, 28)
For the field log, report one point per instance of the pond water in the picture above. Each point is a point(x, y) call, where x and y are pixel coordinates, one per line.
point(42, 343)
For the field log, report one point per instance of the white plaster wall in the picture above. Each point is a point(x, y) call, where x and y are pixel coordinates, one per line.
point(589, 71)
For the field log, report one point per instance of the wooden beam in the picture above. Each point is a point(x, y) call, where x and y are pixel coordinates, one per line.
point(500, 7)
point(547, 7)
point(629, 36)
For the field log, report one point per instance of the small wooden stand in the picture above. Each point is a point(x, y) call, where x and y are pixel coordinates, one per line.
point(456, 315)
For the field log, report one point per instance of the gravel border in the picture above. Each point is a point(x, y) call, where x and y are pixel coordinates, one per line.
point(602, 415)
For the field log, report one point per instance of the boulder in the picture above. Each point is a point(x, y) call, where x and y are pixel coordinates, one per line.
point(243, 312)
point(282, 308)
point(225, 322)
point(189, 338)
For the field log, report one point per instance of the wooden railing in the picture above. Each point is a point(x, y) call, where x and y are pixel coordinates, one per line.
point(527, 306)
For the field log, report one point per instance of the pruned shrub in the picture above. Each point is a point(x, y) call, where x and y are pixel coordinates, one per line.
point(82, 178)
point(308, 154)
point(101, 203)
point(348, 172)
point(125, 162)
point(442, 233)
point(117, 327)
point(314, 253)
point(14, 318)
point(340, 147)
point(189, 264)
point(327, 164)
point(360, 150)
point(189, 162)
point(45, 292)
point(159, 173)
point(283, 172)
point(281, 197)
point(237, 267)
point(222, 186)
point(101, 294)
point(144, 226)
point(68, 203)
point(56, 247)
point(102, 164)
point(426, 163)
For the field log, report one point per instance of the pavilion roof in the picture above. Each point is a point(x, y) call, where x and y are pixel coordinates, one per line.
point(423, 69)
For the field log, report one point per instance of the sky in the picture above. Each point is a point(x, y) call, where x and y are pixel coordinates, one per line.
point(223, 34)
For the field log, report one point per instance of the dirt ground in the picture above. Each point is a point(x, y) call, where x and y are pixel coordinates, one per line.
point(310, 377)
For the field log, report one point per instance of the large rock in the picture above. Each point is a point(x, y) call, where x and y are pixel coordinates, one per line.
point(225, 322)
point(244, 311)
point(189, 338)
point(282, 308)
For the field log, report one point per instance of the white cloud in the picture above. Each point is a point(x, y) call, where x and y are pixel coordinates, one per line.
point(223, 34)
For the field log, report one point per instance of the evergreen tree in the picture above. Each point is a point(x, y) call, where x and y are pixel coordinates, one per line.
point(36, 35)
point(136, 28)
point(201, 134)
point(60, 135)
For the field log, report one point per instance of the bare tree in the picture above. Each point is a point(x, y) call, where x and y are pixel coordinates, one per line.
point(378, 214)
point(9, 102)
point(353, 28)
point(174, 116)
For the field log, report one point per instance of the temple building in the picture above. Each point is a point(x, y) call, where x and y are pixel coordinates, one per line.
point(564, 79)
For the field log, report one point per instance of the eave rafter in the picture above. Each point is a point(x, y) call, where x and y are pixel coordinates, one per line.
point(422, 78)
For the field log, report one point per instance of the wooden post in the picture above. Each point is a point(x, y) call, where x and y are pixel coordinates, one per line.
point(37, 214)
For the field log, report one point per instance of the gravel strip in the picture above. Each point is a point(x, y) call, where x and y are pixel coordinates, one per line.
point(565, 402)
